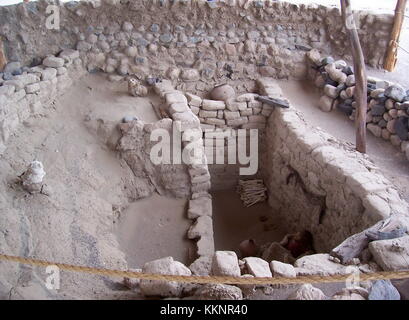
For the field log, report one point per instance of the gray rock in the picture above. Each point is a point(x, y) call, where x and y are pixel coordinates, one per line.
point(7, 76)
point(327, 60)
point(12, 66)
point(375, 130)
point(166, 38)
point(83, 46)
point(252, 35)
point(127, 26)
point(402, 128)
point(396, 93)
point(383, 290)
point(155, 28)
point(276, 251)
point(345, 108)
point(127, 119)
point(378, 110)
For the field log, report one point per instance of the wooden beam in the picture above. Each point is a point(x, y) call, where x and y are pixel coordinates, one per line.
point(392, 52)
point(361, 87)
point(3, 59)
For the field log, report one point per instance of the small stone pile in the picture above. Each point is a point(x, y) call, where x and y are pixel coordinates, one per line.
point(388, 103)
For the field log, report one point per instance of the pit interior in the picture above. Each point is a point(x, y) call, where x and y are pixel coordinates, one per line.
point(112, 207)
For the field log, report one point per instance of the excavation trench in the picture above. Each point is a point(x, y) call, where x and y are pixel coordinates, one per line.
point(114, 204)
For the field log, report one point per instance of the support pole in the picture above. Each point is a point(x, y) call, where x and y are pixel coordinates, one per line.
point(361, 87)
point(3, 59)
point(392, 52)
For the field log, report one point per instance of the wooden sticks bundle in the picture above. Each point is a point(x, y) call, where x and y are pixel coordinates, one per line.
point(252, 191)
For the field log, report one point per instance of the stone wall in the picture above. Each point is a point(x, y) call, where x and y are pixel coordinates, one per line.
point(195, 162)
point(221, 122)
point(230, 39)
point(318, 184)
point(388, 103)
point(32, 92)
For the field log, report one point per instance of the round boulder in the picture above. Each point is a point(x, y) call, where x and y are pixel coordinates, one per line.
point(223, 92)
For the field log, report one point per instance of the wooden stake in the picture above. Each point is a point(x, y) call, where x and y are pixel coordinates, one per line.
point(392, 52)
point(361, 87)
point(3, 59)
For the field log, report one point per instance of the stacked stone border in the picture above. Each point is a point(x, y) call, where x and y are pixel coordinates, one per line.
point(388, 103)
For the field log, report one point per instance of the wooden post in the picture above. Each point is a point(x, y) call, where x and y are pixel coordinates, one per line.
point(3, 59)
point(392, 52)
point(361, 86)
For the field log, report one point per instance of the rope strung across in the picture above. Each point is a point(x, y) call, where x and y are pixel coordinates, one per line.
point(210, 279)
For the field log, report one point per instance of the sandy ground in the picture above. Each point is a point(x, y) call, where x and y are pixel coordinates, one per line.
point(388, 158)
point(234, 223)
point(154, 228)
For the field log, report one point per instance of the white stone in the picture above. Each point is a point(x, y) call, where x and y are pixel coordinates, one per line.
point(307, 292)
point(280, 269)
point(7, 90)
point(163, 288)
point(48, 74)
point(391, 255)
point(202, 266)
point(247, 97)
point(69, 55)
point(205, 246)
point(225, 263)
point(178, 107)
point(203, 226)
point(53, 62)
point(200, 207)
point(257, 267)
point(32, 178)
point(376, 206)
point(32, 88)
point(320, 264)
point(175, 97)
point(213, 105)
point(194, 100)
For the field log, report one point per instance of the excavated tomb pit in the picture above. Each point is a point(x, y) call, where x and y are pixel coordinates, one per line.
point(106, 203)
